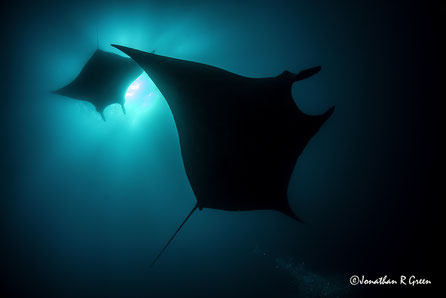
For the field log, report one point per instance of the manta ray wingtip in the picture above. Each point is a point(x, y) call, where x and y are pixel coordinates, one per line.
point(294, 216)
point(317, 68)
point(328, 113)
point(121, 48)
point(58, 92)
point(285, 208)
point(320, 119)
point(291, 214)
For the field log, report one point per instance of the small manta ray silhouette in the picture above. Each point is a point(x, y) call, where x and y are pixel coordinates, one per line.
point(240, 137)
point(103, 80)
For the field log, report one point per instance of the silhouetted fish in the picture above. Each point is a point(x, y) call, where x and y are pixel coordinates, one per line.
point(240, 137)
point(103, 80)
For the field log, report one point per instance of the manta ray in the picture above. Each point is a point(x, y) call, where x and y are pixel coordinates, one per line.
point(240, 137)
point(103, 81)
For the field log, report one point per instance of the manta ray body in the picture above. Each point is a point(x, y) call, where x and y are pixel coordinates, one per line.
point(240, 137)
point(103, 81)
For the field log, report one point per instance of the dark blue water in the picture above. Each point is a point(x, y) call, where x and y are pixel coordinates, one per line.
point(88, 204)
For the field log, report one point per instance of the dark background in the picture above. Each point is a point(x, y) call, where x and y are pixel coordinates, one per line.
point(86, 207)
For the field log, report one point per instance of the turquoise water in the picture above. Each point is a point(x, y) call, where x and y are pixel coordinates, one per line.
point(89, 204)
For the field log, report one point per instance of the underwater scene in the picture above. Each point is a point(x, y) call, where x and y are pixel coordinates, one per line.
point(96, 179)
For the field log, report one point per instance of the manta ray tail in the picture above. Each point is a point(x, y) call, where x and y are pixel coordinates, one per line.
point(173, 236)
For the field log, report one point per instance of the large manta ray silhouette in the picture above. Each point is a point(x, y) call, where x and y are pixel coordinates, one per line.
point(240, 137)
point(103, 80)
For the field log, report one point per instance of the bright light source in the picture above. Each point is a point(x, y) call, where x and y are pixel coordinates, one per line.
point(140, 97)
point(135, 85)
point(141, 94)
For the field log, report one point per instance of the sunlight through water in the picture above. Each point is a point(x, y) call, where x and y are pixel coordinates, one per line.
point(140, 97)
